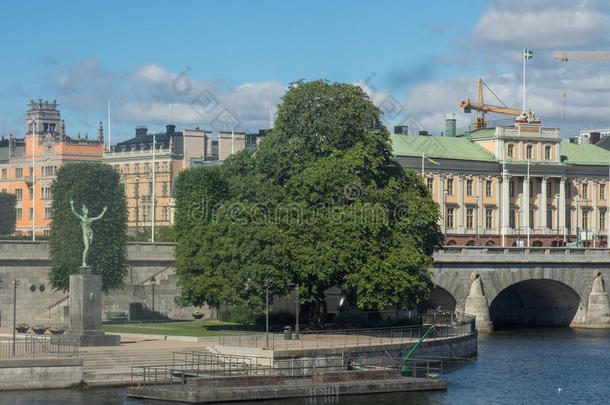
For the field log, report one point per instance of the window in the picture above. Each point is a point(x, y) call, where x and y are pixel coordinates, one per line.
point(450, 186)
point(31, 192)
point(547, 152)
point(569, 190)
point(602, 219)
point(511, 150)
point(31, 212)
point(126, 168)
point(164, 185)
point(549, 217)
point(164, 211)
point(47, 212)
point(512, 218)
point(488, 188)
point(18, 194)
point(18, 172)
point(585, 190)
point(532, 218)
point(469, 187)
point(529, 151)
point(4, 173)
point(150, 188)
point(146, 167)
point(585, 219)
point(137, 168)
point(569, 218)
point(532, 183)
point(469, 217)
point(489, 218)
point(511, 188)
point(46, 193)
point(429, 182)
point(449, 217)
point(156, 166)
point(164, 166)
point(19, 213)
point(549, 187)
point(602, 191)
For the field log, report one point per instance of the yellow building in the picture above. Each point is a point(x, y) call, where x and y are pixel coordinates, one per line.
point(514, 185)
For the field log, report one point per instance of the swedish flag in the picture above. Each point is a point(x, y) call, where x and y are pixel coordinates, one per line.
point(528, 54)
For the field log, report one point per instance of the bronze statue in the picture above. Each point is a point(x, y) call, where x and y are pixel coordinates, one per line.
point(86, 227)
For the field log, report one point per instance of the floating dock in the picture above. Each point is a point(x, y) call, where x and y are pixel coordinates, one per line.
point(253, 388)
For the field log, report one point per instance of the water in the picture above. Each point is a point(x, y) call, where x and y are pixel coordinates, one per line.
point(513, 367)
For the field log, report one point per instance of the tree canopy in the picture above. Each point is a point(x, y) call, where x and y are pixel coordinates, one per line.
point(9, 213)
point(94, 185)
point(319, 203)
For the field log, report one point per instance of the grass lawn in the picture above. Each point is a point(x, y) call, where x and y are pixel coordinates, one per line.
point(192, 328)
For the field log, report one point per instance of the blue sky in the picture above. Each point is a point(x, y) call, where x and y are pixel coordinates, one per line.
point(415, 59)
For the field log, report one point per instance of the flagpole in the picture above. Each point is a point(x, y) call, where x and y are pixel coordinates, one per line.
point(527, 214)
point(422, 165)
point(503, 226)
point(153, 189)
point(33, 182)
point(524, 51)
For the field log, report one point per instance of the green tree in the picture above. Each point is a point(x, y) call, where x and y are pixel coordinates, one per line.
point(9, 213)
point(94, 185)
point(321, 202)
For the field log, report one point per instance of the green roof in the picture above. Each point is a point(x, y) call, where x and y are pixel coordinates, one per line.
point(482, 133)
point(584, 154)
point(442, 147)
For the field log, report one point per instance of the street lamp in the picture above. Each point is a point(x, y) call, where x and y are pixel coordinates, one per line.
point(15, 285)
point(298, 309)
point(557, 216)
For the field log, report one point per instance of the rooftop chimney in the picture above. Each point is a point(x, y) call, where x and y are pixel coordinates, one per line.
point(171, 128)
point(141, 131)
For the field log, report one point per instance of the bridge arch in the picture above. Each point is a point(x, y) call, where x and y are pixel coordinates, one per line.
point(443, 298)
point(535, 302)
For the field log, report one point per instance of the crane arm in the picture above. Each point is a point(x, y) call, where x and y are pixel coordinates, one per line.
point(466, 104)
point(564, 56)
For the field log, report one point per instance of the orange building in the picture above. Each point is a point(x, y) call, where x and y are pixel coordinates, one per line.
point(45, 148)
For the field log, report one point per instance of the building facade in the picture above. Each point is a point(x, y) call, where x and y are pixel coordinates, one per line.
point(137, 164)
point(44, 149)
point(513, 185)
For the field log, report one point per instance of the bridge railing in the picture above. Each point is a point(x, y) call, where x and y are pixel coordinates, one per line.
point(493, 250)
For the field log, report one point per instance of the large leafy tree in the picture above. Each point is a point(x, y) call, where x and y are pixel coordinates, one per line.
point(9, 213)
point(319, 203)
point(96, 186)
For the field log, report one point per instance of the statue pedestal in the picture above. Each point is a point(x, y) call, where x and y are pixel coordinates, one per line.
point(86, 311)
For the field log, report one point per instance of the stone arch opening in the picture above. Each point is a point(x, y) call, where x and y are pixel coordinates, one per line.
point(441, 297)
point(536, 302)
point(451, 242)
point(470, 243)
point(537, 243)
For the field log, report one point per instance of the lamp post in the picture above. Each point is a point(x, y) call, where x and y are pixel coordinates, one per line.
point(267, 312)
point(577, 217)
point(445, 193)
point(153, 281)
point(557, 216)
point(298, 309)
point(15, 284)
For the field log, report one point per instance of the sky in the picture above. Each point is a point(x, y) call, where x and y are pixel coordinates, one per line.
point(225, 65)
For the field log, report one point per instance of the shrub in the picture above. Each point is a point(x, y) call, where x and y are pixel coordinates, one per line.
point(237, 314)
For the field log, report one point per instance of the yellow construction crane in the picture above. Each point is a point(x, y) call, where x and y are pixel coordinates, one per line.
point(564, 56)
point(482, 108)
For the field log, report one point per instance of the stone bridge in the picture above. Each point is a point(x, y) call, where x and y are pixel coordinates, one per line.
point(506, 287)
point(503, 287)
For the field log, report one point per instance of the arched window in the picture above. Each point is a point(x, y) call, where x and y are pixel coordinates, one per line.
point(547, 152)
point(511, 150)
point(529, 151)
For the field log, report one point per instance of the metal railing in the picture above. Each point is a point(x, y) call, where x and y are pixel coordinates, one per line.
point(38, 346)
point(286, 371)
point(448, 325)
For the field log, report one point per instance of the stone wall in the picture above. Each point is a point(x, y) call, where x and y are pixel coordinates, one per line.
point(37, 303)
point(21, 374)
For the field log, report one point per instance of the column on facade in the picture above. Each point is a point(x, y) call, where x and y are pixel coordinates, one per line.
point(595, 215)
point(461, 212)
point(505, 202)
point(525, 198)
point(542, 204)
point(498, 199)
point(562, 206)
point(441, 200)
point(480, 223)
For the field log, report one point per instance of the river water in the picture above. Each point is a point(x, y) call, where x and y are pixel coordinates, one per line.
point(527, 366)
